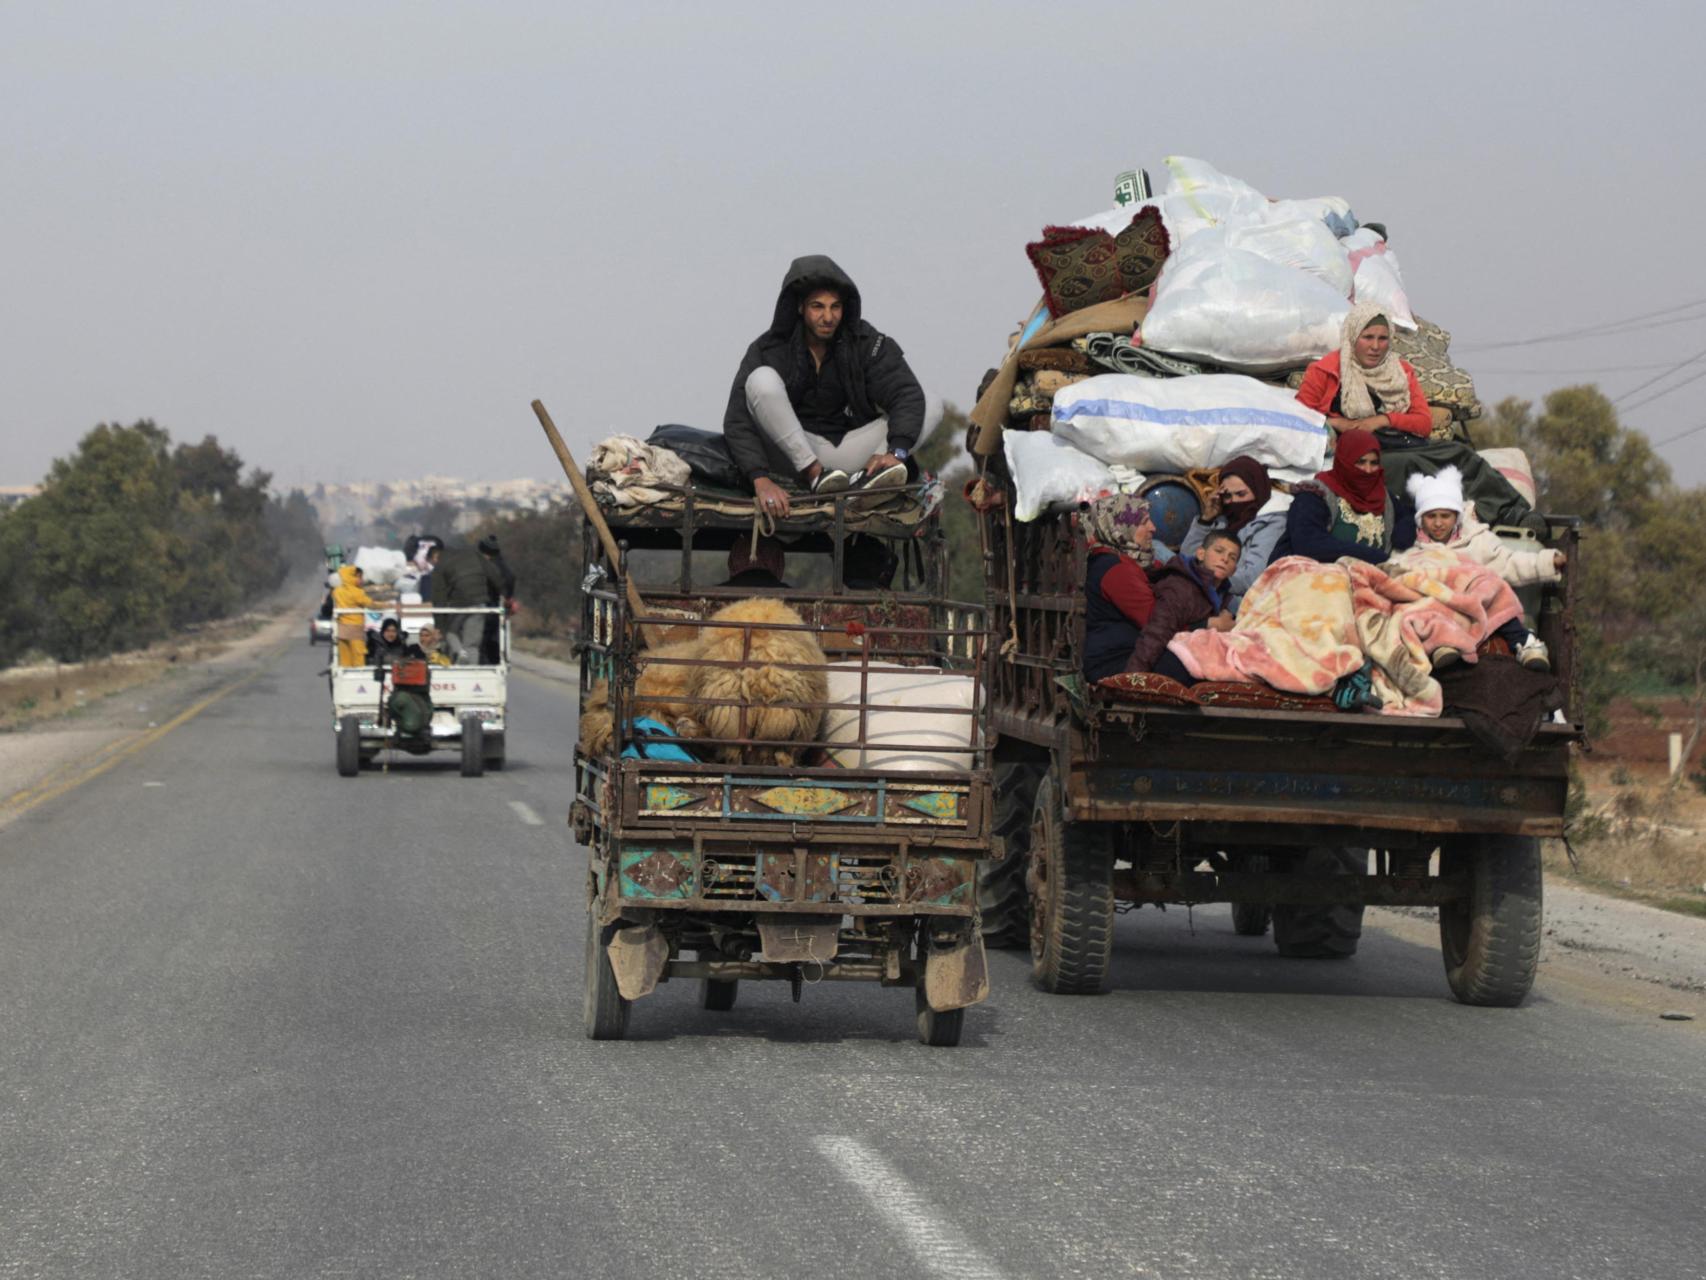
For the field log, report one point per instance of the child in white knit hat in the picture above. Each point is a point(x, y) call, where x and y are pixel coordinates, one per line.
point(1443, 520)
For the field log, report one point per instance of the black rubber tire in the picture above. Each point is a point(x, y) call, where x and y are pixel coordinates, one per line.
point(1491, 940)
point(1072, 899)
point(938, 1029)
point(1322, 933)
point(1002, 905)
point(717, 994)
point(1251, 919)
point(495, 752)
point(473, 748)
point(603, 1010)
point(349, 746)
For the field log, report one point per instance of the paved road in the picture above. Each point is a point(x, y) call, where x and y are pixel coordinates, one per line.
point(257, 1020)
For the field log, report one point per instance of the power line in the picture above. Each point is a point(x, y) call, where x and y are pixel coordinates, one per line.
point(1680, 435)
point(1660, 395)
point(1584, 368)
point(1610, 328)
point(1660, 377)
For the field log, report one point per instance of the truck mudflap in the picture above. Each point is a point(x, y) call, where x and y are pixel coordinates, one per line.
point(638, 954)
point(957, 976)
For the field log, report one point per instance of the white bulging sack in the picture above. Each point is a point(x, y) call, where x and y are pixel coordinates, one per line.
point(1049, 473)
point(1378, 277)
point(1176, 424)
point(1233, 307)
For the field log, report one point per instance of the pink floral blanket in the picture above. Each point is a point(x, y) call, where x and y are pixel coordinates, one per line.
point(1304, 624)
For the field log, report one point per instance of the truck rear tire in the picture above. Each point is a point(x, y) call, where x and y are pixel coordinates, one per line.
point(1491, 939)
point(1316, 932)
point(717, 994)
point(939, 1029)
point(603, 1009)
point(1070, 883)
point(349, 746)
point(1251, 919)
point(473, 748)
point(1001, 900)
point(495, 752)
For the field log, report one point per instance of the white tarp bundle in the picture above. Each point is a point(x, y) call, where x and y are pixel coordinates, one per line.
point(1176, 424)
point(1049, 473)
point(1231, 306)
point(380, 566)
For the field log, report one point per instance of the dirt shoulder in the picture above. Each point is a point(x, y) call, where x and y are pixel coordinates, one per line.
point(104, 708)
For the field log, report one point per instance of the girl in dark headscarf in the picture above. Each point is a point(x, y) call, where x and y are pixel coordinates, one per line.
point(1347, 511)
point(1118, 596)
point(1244, 492)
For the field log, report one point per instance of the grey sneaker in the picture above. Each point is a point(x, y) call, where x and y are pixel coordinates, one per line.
point(1533, 654)
point(888, 478)
point(834, 480)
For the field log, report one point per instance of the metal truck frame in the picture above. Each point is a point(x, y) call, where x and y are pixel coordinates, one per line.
point(1105, 804)
point(725, 872)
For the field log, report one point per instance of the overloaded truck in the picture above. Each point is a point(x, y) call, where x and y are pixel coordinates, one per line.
point(847, 852)
point(1299, 818)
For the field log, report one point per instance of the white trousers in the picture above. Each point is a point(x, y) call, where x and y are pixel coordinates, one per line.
point(768, 400)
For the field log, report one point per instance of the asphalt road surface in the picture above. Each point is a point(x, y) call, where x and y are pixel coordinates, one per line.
point(257, 1020)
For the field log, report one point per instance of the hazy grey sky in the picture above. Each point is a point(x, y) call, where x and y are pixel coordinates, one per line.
point(354, 240)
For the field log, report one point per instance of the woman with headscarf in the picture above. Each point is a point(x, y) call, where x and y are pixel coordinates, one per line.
point(1118, 598)
point(1346, 511)
point(1364, 384)
point(1244, 506)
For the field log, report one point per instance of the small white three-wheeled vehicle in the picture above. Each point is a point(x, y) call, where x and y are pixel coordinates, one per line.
point(468, 702)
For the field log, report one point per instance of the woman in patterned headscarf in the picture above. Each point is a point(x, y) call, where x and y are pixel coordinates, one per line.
point(1118, 597)
point(1364, 384)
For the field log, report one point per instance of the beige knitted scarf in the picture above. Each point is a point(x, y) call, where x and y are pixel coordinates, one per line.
point(1387, 379)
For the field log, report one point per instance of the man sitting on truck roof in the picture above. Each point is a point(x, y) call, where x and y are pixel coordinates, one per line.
point(822, 396)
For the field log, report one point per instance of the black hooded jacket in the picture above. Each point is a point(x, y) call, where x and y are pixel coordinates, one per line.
point(869, 366)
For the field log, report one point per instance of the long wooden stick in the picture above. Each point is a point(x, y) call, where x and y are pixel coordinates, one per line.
point(589, 504)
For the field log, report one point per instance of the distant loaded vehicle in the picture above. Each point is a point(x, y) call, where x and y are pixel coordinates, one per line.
point(420, 707)
point(845, 850)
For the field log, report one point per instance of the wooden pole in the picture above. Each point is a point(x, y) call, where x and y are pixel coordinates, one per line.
point(589, 504)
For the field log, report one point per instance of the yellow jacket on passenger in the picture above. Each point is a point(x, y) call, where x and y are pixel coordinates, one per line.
point(348, 594)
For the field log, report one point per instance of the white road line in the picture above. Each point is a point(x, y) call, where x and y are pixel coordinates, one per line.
point(940, 1247)
point(524, 811)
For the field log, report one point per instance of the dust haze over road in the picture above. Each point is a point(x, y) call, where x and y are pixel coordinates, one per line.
point(264, 1021)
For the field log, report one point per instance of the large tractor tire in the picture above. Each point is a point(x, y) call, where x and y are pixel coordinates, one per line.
point(1001, 900)
point(1070, 883)
point(1251, 919)
point(1322, 933)
point(473, 748)
point(1491, 939)
point(603, 1010)
point(349, 746)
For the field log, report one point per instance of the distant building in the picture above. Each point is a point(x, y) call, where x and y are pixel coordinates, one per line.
point(12, 494)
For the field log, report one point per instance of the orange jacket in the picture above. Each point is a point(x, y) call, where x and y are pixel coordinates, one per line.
point(1321, 385)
